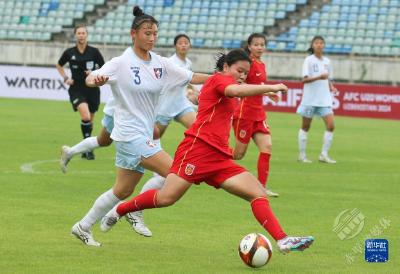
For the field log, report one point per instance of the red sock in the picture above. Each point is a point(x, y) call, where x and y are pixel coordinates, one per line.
point(142, 201)
point(264, 215)
point(263, 167)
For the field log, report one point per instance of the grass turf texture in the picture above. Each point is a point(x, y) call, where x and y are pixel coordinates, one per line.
point(200, 233)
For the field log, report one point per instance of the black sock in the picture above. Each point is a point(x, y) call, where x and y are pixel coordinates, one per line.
point(86, 127)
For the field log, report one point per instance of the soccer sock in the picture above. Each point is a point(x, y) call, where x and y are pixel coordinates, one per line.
point(86, 128)
point(302, 137)
point(142, 201)
point(85, 145)
point(155, 182)
point(263, 167)
point(264, 215)
point(327, 142)
point(104, 203)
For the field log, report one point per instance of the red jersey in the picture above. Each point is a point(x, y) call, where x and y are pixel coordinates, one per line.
point(251, 108)
point(214, 118)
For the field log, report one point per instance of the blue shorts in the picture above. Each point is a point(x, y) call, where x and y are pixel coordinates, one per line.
point(129, 154)
point(310, 111)
point(108, 122)
point(165, 120)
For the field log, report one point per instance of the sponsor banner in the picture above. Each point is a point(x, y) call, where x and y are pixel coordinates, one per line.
point(353, 100)
point(37, 83)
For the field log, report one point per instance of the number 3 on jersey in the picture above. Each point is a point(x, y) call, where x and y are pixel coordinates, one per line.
point(135, 71)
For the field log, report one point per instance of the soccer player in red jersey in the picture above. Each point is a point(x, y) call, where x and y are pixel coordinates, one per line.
point(249, 117)
point(204, 154)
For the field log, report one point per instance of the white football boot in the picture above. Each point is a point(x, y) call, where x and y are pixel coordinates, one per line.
point(270, 193)
point(326, 159)
point(109, 220)
point(304, 160)
point(137, 222)
point(65, 158)
point(85, 236)
point(288, 243)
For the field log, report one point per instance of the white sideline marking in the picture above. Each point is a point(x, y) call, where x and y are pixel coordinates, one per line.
point(29, 168)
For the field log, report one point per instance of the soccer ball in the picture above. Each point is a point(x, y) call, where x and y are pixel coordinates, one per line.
point(255, 250)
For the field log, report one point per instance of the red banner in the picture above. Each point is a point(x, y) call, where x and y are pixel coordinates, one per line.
point(353, 100)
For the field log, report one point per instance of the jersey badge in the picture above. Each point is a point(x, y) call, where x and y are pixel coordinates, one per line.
point(150, 143)
point(189, 169)
point(73, 57)
point(158, 72)
point(242, 133)
point(90, 65)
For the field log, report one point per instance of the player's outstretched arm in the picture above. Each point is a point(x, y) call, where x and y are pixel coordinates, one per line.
point(199, 78)
point(245, 90)
point(96, 80)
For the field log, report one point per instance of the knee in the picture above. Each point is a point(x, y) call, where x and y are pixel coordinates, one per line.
point(122, 194)
point(163, 201)
point(305, 128)
point(104, 142)
point(330, 128)
point(238, 155)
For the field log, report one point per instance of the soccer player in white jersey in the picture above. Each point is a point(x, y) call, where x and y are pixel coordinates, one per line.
point(137, 78)
point(173, 105)
point(91, 143)
point(317, 99)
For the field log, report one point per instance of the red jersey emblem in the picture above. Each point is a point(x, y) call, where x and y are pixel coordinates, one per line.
point(242, 133)
point(189, 169)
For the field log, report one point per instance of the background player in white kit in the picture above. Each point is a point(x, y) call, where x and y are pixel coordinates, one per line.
point(137, 78)
point(317, 99)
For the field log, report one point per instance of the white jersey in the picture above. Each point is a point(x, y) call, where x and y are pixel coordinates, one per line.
point(173, 100)
point(136, 86)
point(109, 107)
point(317, 93)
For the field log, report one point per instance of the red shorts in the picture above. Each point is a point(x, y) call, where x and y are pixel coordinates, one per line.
point(196, 162)
point(245, 129)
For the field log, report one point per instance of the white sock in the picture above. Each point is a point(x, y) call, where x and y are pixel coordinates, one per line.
point(104, 203)
point(155, 182)
point(85, 145)
point(302, 138)
point(327, 142)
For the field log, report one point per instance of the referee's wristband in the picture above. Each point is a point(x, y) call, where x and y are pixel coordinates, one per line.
point(66, 78)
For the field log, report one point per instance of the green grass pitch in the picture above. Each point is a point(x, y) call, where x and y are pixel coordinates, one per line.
point(200, 233)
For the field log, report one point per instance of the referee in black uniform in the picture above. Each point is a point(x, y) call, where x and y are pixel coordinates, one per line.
point(82, 60)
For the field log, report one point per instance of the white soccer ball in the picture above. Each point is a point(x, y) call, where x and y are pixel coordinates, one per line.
point(255, 250)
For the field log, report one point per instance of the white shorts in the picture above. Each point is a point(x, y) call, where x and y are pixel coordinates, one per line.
point(165, 120)
point(310, 111)
point(129, 154)
point(108, 122)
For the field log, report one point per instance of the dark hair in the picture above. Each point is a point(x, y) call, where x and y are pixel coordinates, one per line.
point(80, 26)
point(180, 36)
point(253, 36)
point(231, 58)
point(141, 17)
point(317, 37)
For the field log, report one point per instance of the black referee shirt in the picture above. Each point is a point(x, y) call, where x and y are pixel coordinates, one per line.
point(90, 59)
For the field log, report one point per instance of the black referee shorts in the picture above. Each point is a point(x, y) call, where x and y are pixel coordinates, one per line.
point(91, 96)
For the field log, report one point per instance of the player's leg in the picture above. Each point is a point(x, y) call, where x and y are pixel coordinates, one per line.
point(263, 142)
point(173, 189)
point(124, 186)
point(246, 186)
point(86, 122)
point(306, 113)
point(327, 139)
point(186, 117)
point(88, 144)
point(136, 219)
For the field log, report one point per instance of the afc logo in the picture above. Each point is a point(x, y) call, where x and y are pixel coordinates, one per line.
point(150, 143)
